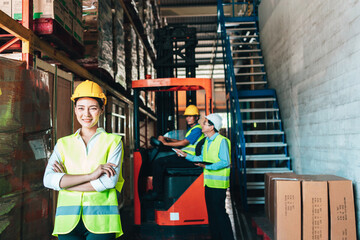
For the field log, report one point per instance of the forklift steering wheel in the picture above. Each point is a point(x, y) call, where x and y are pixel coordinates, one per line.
point(156, 143)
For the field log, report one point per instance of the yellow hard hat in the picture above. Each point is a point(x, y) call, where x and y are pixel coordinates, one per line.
point(191, 110)
point(88, 89)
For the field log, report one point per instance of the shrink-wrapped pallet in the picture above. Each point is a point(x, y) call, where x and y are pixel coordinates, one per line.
point(119, 45)
point(24, 140)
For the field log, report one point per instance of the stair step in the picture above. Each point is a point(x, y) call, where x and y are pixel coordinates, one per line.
point(257, 100)
point(256, 200)
point(249, 66)
point(259, 110)
point(250, 83)
point(247, 58)
point(266, 170)
point(242, 36)
point(262, 121)
point(263, 132)
point(232, 24)
point(244, 43)
point(255, 185)
point(250, 74)
point(265, 144)
point(241, 29)
point(266, 157)
point(246, 51)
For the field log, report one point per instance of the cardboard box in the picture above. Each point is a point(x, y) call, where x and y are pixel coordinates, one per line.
point(68, 21)
point(342, 210)
point(5, 6)
point(287, 210)
point(269, 180)
point(341, 206)
point(52, 9)
point(78, 31)
point(314, 208)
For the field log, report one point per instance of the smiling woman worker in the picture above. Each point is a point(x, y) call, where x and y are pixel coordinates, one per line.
point(85, 168)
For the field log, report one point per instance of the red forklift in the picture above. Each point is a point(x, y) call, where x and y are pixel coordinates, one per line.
point(182, 211)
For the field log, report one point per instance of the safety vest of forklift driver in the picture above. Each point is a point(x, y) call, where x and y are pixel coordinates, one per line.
point(190, 149)
point(216, 178)
point(99, 210)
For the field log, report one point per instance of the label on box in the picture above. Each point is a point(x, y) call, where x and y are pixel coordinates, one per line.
point(38, 147)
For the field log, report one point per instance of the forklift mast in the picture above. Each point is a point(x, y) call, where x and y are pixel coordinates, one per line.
point(175, 47)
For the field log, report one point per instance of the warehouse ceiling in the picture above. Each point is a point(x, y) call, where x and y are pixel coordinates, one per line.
point(202, 15)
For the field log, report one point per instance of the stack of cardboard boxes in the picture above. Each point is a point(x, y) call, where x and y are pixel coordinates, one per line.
point(68, 13)
point(310, 206)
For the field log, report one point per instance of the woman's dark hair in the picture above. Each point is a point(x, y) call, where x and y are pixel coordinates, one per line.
point(100, 101)
point(212, 124)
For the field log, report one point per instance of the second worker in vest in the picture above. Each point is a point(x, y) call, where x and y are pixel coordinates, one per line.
point(188, 144)
point(216, 154)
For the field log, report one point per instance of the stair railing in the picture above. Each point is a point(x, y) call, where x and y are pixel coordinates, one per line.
point(237, 132)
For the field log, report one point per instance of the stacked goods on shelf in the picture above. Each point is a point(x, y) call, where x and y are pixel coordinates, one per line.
point(65, 12)
point(131, 54)
point(325, 203)
point(119, 45)
point(104, 38)
point(24, 139)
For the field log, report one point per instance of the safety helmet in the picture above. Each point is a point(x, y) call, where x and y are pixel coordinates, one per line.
point(191, 110)
point(216, 119)
point(88, 89)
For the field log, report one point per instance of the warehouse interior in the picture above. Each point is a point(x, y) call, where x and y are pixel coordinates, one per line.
point(283, 77)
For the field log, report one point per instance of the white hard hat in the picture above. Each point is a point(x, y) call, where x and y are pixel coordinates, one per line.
point(216, 119)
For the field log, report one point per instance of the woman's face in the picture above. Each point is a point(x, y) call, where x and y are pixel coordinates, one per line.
point(88, 111)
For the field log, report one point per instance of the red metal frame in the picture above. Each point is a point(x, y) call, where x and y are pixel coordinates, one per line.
point(27, 21)
point(178, 84)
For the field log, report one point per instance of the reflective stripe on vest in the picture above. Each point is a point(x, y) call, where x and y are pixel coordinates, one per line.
point(99, 210)
point(190, 149)
point(216, 178)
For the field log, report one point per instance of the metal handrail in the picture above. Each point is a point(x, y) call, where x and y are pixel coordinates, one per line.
point(237, 132)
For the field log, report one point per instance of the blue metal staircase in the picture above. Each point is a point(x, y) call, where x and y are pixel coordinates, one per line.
point(257, 135)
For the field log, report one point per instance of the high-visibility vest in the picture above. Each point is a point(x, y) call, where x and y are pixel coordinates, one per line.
point(216, 178)
point(99, 210)
point(190, 149)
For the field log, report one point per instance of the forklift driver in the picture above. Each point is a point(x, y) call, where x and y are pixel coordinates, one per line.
point(192, 137)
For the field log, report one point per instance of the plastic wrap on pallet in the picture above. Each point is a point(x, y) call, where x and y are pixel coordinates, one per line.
point(134, 57)
point(130, 54)
point(141, 61)
point(105, 27)
point(24, 203)
point(120, 45)
point(11, 93)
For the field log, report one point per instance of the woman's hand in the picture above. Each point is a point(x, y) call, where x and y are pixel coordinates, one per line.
point(58, 167)
point(108, 169)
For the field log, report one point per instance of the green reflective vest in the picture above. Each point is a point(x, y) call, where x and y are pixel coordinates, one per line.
point(99, 210)
point(216, 178)
point(190, 149)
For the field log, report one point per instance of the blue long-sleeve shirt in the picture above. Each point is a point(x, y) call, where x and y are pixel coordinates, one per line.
point(52, 179)
point(223, 155)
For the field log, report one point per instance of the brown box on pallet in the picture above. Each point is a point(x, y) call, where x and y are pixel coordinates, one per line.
point(287, 210)
point(341, 214)
point(342, 210)
point(314, 207)
point(269, 191)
